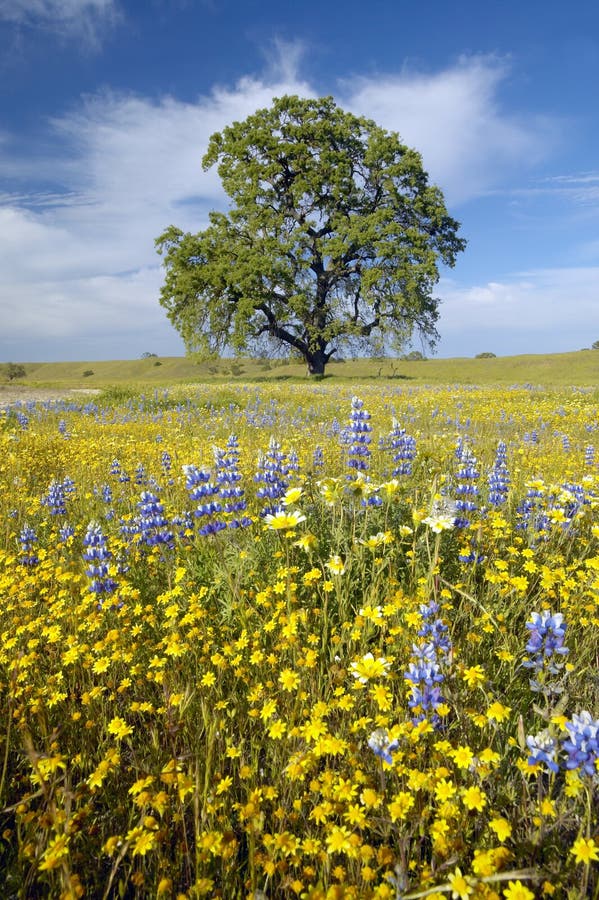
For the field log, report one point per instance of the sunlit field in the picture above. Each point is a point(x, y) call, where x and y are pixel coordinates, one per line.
point(300, 641)
point(558, 369)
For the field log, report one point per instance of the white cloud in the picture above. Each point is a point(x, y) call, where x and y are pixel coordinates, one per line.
point(547, 310)
point(84, 19)
point(455, 120)
point(129, 167)
point(86, 318)
point(65, 317)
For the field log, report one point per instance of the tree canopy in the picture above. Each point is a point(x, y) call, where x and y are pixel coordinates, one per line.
point(333, 238)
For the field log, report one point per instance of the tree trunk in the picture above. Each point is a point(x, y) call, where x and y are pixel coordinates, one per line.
point(316, 362)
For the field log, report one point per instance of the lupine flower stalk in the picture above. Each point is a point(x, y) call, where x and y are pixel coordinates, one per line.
point(28, 539)
point(424, 674)
point(97, 556)
point(202, 489)
point(466, 487)
point(582, 744)
point(229, 478)
point(152, 525)
point(499, 477)
point(272, 475)
point(546, 650)
point(55, 499)
point(403, 447)
point(358, 438)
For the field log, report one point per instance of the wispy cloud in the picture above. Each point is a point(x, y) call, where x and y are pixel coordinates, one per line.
point(83, 19)
point(581, 188)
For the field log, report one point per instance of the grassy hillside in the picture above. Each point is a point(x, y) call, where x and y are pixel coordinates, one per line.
point(577, 368)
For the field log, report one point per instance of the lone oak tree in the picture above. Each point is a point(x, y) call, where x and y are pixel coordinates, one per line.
point(333, 238)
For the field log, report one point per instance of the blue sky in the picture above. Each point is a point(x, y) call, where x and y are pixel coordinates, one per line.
point(107, 107)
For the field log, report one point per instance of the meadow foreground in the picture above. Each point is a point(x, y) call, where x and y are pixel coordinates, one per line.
point(300, 641)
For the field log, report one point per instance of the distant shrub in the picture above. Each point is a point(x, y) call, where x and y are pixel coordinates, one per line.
point(414, 356)
point(148, 355)
point(236, 369)
point(212, 370)
point(595, 345)
point(14, 370)
point(486, 355)
point(157, 363)
point(88, 372)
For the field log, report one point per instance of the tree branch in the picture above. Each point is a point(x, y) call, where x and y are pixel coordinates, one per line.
point(281, 333)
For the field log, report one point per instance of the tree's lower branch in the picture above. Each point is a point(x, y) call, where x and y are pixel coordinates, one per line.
point(281, 333)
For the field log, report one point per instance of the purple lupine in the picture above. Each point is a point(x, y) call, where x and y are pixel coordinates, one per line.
point(183, 523)
point(425, 673)
point(116, 469)
point(543, 749)
point(317, 459)
point(546, 641)
point(166, 462)
point(97, 556)
point(466, 487)
point(570, 501)
point(141, 477)
point(272, 474)
point(358, 438)
point(589, 455)
point(65, 532)
point(293, 465)
point(424, 677)
point(403, 447)
point(546, 650)
point(228, 477)
point(202, 490)
point(28, 538)
point(499, 477)
point(582, 745)
point(152, 525)
point(55, 499)
point(382, 746)
point(433, 630)
point(531, 511)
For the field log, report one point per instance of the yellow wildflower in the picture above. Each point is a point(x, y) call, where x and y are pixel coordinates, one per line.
point(497, 712)
point(461, 888)
point(119, 727)
point(517, 891)
point(368, 667)
point(501, 827)
point(585, 850)
point(474, 798)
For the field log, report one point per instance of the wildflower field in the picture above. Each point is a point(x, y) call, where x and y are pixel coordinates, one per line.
point(300, 641)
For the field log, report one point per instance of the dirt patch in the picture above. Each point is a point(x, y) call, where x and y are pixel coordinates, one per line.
point(10, 394)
